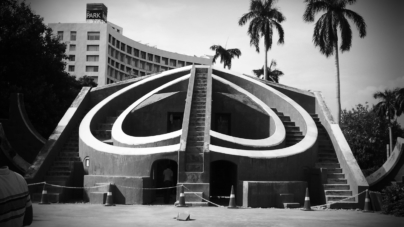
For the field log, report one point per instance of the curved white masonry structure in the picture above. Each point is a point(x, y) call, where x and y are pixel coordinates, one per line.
point(121, 137)
point(88, 138)
point(277, 138)
point(306, 143)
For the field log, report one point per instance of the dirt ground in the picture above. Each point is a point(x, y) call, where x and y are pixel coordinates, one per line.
point(164, 215)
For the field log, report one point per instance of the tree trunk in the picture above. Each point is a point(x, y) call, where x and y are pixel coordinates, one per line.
point(266, 64)
point(338, 83)
point(391, 139)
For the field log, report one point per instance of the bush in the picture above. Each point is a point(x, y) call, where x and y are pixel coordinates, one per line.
point(393, 200)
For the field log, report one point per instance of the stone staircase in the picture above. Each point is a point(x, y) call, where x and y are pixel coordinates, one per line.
point(61, 171)
point(293, 133)
point(194, 152)
point(103, 131)
point(336, 187)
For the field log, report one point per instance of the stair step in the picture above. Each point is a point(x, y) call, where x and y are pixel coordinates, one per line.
point(336, 170)
point(328, 160)
point(194, 157)
point(196, 149)
point(105, 126)
point(327, 165)
point(198, 111)
point(193, 143)
point(336, 175)
point(336, 187)
point(284, 118)
point(196, 133)
point(111, 119)
point(294, 133)
point(68, 159)
point(60, 168)
point(69, 154)
point(197, 128)
point(338, 192)
point(56, 178)
point(337, 181)
point(195, 138)
point(327, 155)
point(289, 123)
point(58, 173)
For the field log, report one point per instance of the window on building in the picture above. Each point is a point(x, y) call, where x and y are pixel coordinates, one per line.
point(180, 63)
point(109, 50)
point(116, 54)
point(189, 63)
point(71, 68)
point(156, 68)
point(118, 44)
point(128, 60)
point(173, 63)
point(162, 68)
point(109, 60)
point(136, 52)
point(72, 47)
point(122, 67)
point(112, 52)
point(128, 49)
point(135, 63)
point(150, 57)
point(113, 41)
point(112, 62)
point(72, 57)
point(109, 38)
point(157, 59)
point(149, 67)
point(117, 65)
point(122, 57)
point(92, 57)
point(91, 68)
point(73, 36)
point(93, 47)
point(93, 35)
point(142, 64)
point(60, 35)
point(142, 73)
point(123, 46)
point(143, 55)
point(165, 61)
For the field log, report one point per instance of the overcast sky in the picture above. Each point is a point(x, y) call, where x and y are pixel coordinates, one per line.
point(190, 27)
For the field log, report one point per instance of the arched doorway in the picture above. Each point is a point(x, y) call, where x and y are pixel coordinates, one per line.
point(223, 174)
point(156, 174)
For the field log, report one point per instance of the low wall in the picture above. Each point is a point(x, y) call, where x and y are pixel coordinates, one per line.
point(267, 193)
point(126, 189)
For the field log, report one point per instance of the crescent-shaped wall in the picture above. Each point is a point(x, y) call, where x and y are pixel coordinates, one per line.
point(274, 99)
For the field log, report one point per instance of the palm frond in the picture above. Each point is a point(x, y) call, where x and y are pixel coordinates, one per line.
point(281, 33)
point(346, 34)
point(314, 7)
point(358, 21)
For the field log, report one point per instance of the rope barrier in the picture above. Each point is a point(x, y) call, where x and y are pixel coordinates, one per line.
point(203, 198)
point(103, 185)
point(332, 202)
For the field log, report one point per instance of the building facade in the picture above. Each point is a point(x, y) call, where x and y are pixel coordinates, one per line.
point(102, 52)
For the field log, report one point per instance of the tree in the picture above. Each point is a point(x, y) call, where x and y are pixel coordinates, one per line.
point(325, 34)
point(87, 81)
point(32, 63)
point(273, 74)
point(226, 55)
point(386, 108)
point(400, 101)
point(366, 133)
point(264, 17)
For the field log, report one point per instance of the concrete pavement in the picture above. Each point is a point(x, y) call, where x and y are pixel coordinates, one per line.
point(142, 215)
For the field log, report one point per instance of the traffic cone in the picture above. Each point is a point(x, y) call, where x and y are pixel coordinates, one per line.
point(367, 203)
point(44, 196)
point(232, 202)
point(307, 201)
point(182, 198)
point(110, 201)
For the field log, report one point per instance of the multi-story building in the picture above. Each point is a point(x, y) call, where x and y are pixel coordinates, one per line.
point(101, 51)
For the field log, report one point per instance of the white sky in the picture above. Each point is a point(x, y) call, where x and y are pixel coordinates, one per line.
point(192, 26)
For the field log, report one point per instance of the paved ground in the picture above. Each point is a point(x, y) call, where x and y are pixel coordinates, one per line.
point(138, 215)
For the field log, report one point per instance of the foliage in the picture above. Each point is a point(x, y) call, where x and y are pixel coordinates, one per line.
point(367, 135)
point(325, 34)
point(387, 106)
point(264, 17)
point(393, 200)
point(273, 74)
point(87, 81)
point(400, 101)
point(32, 63)
point(226, 55)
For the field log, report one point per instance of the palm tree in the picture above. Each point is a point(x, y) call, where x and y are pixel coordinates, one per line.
point(386, 108)
point(325, 31)
point(264, 17)
point(273, 74)
point(226, 55)
point(400, 101)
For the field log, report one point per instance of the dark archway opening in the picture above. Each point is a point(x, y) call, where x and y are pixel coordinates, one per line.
point(223, 175)
point(156, 174)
